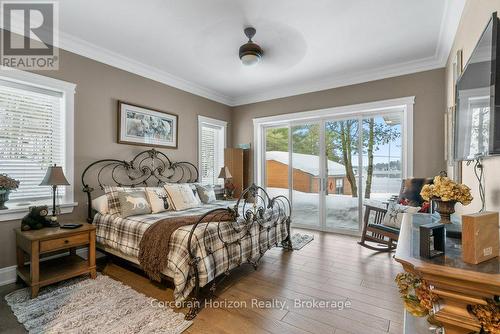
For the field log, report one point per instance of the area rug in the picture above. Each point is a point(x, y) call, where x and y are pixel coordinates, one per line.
point(84, 305)
point(299, 240)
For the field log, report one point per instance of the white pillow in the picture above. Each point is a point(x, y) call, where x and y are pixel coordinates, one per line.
point(158, 199)
point(395, 213)
point(206, 193)
point(194, 188)
point(192, 185)
point(181, 196)
point(100, 204)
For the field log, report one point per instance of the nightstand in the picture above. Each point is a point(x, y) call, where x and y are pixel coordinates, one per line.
point(54, 239)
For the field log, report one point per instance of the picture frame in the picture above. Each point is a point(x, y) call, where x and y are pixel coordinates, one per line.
point(454, 167)
point(449, 135)
point(143, 126)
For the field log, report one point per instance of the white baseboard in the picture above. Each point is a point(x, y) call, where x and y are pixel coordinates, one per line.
point(8, 274)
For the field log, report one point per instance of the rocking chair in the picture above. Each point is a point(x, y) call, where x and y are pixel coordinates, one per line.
point(386, 237)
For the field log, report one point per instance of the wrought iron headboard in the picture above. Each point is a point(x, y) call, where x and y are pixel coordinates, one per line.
point(148, 168)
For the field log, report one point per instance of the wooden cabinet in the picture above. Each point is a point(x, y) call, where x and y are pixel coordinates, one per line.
point(237, 160)
point(458, 285)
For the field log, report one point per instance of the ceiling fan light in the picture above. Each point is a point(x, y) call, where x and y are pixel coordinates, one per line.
point(250, 59)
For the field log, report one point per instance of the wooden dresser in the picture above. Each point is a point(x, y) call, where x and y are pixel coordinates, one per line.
point(237, 160)
point(456, 283)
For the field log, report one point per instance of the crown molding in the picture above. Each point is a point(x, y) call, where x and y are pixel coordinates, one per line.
point(342, 80)
point(81, 47)
point(449, 25)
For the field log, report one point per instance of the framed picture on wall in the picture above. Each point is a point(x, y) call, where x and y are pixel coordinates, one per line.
point(139, 125)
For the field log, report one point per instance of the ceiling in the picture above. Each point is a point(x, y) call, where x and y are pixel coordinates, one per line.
point(308, 45)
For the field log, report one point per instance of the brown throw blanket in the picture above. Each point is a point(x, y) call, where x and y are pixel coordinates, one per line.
point(154, 245)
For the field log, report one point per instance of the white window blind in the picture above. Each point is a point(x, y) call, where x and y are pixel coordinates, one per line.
point(212, 139)
point(31, 137)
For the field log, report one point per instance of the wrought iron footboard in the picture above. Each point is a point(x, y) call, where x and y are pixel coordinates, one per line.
point(254, 211)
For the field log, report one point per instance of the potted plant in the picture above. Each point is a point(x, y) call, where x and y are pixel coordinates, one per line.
point(6, 185)
point(446, 193)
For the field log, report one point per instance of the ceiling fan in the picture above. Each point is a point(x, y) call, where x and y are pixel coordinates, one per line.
point(250, 53)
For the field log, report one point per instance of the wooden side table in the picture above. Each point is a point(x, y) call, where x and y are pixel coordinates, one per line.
point(52, 239)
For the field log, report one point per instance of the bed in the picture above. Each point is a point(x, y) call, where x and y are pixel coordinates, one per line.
point(199, 254)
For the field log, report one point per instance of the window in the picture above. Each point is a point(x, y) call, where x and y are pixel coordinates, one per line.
point(339, 186)
point(211, 144)
point(36, 131)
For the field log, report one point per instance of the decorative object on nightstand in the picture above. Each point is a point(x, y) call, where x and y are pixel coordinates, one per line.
point(446, 193)
point(41, 273)
point(432, 240)
point(36, 218)
point(7, 184)
point(54, 177)
point(226, 175)
point(480, 241)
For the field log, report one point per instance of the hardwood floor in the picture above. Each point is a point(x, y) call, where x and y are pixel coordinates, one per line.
point(332, 267)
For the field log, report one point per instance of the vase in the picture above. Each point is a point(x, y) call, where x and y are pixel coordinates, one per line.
point(445, 210)
point(4, 197)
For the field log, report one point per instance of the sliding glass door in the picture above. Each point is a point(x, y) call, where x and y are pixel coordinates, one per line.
point(306, 174)
point(330, 167)
point(342, 202)
point(276, 160)
point(382, 158)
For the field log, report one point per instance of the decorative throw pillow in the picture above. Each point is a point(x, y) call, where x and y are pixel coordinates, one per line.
point(112, 195)
point(158, 199)
point(394, 215)
point(100, 204)
point(133, 203)
point(181, 196)
point(193, 188)
point(206, 193)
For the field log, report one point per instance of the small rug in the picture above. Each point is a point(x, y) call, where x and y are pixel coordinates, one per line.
point(84, 305)
point(300, 240)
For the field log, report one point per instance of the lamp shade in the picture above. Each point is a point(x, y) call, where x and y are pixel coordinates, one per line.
point(54, 177)
point(224, 173)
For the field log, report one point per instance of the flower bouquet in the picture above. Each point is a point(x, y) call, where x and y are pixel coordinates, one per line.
point(7, 184)
point(446, 193)
point(417, 297)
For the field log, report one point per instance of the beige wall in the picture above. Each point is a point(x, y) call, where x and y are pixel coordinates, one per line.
point(474, 19)
point(98, 88)
point(427, 87)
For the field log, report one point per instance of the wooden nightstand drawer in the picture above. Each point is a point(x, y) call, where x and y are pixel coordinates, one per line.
point(69, 241)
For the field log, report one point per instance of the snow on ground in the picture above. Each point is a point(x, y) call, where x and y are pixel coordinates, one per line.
point(341, 210)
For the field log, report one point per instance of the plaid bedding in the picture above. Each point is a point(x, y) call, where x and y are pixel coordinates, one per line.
point(124, 235)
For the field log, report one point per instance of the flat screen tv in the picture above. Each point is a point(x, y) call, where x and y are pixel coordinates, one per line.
point(477, 118)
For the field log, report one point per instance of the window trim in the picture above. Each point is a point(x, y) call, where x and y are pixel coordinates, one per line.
point(68, 90)
point(210, 122)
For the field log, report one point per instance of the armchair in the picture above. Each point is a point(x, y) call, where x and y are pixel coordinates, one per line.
point(386, 237)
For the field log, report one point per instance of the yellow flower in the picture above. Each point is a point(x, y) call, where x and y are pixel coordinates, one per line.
point(446, 190)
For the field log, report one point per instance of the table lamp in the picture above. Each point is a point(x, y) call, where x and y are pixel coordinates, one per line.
point(226, 175)
point(54, 177)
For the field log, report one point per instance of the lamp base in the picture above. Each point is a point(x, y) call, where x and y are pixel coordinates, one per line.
point(51, 222)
